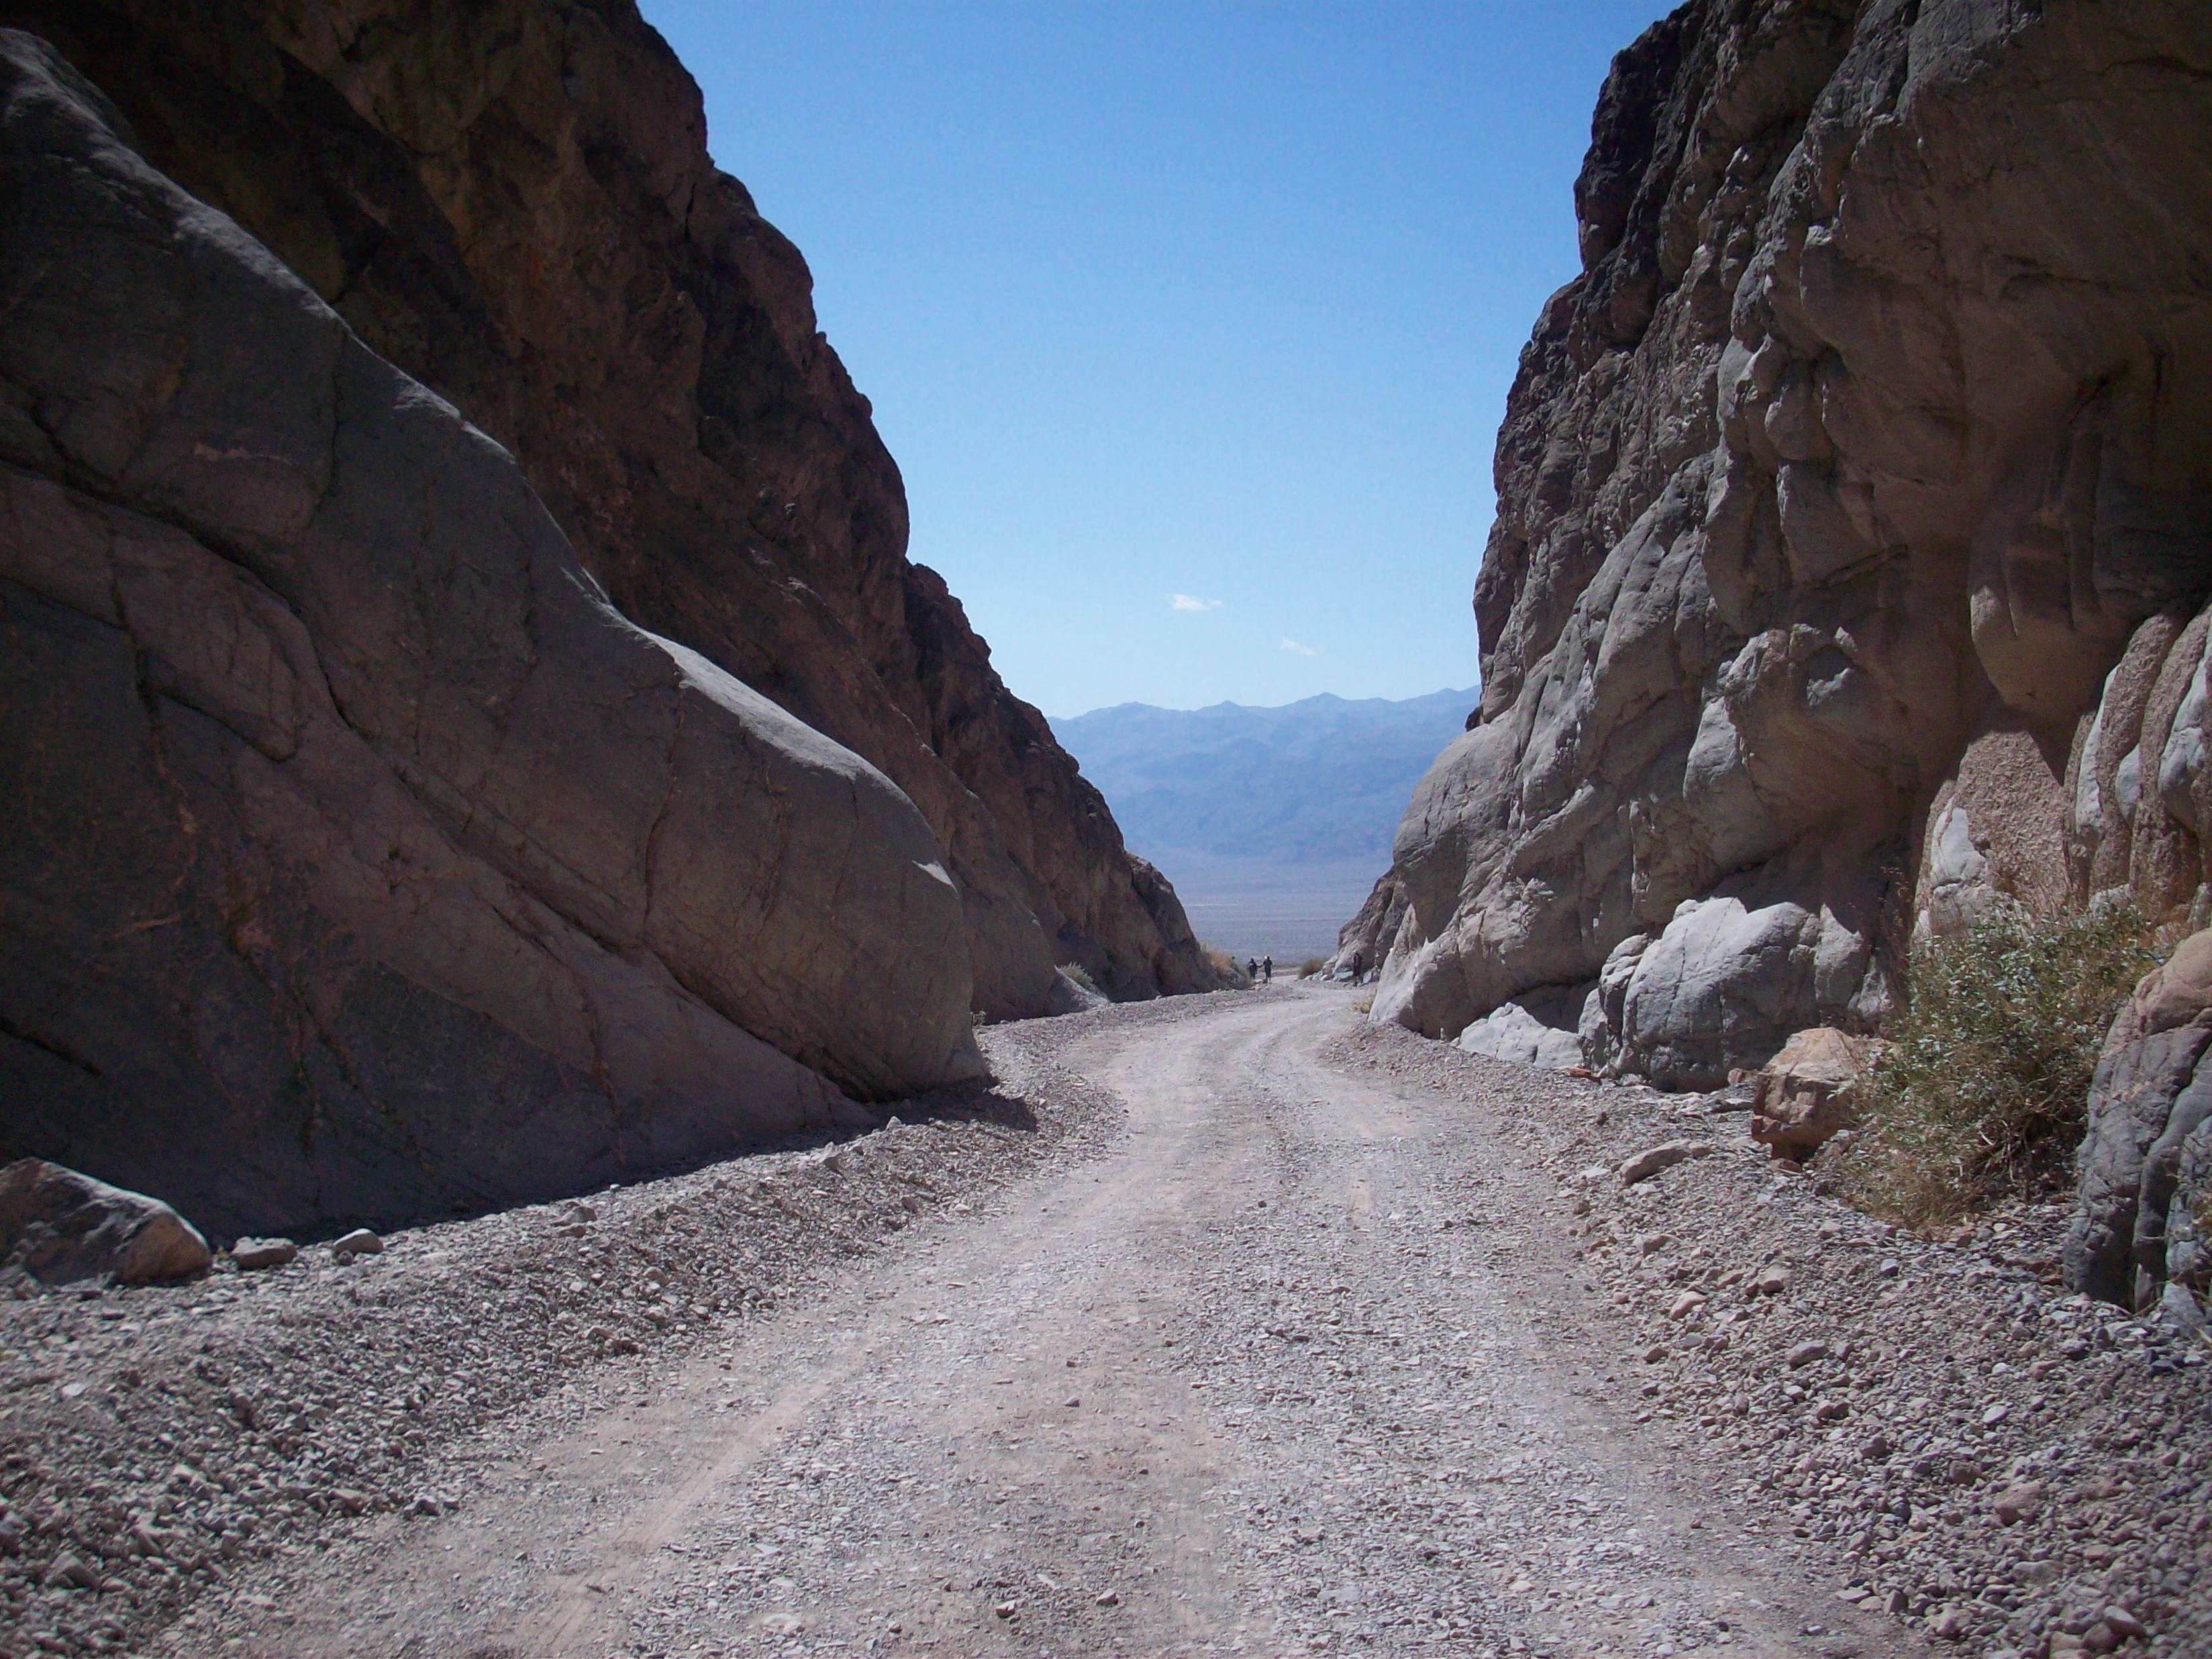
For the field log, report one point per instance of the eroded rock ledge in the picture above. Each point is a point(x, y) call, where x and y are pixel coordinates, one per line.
point(1855, 519)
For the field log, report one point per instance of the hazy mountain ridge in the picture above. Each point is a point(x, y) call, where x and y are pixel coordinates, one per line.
point(1318, 780)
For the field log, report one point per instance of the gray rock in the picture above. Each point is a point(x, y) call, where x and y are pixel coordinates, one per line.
point(1536, 1029)
point(2023, 1502)
point(70, 1571)
point(284, 626)
point(2145, 1163)
point(1069, 995)
point(359, 1242)
point(1815, 558)
point(62, 1227)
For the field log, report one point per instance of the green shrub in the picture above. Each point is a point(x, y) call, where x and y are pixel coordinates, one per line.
point(1081, 976)
point(1311, 966)
point(1979, 1095)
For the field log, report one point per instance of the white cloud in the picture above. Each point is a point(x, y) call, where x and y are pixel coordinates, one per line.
point(1192, 602)
point(1296, 649)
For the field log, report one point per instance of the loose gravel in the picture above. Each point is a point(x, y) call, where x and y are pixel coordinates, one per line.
point(162, 1448)
point(1222, 1325)
point(1938, 1428)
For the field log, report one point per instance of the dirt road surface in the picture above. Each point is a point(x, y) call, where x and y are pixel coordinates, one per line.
point(1291, 1367)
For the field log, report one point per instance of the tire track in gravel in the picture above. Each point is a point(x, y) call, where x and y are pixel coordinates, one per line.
point(1286, 1370)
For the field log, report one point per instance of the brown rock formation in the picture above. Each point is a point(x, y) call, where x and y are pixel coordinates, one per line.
point(512, 203)
point(362, 861)
point(1855, 511)
point(1804, 1096)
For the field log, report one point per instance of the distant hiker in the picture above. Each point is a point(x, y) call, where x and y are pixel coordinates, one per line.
point(1251, 968)
point(1358, 965)
point(1267, 968)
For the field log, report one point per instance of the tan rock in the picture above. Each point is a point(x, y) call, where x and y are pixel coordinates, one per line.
point(1654, 1159)
point(1808, 1093)
point(255, 1254)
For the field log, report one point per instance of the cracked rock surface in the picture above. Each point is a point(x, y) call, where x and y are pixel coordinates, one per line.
point(512, 203)
point(1855, 524)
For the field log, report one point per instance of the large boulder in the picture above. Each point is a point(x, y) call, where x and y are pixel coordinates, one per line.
point(1541, 1027)
point(2145, 1168)
point(1807, 1094)
point(1725, 983)
point(61, 1226)
point(1855, 521)
point(363, 861)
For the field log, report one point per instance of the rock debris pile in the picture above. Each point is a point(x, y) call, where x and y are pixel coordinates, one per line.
point(1941, 1428)
point(157, 1443)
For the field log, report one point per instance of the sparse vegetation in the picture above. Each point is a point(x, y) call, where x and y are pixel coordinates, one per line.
point(1311, 966)
point(1231, 968)
point(1979, 1095)
point(1361, 1004)
point(1081, 976)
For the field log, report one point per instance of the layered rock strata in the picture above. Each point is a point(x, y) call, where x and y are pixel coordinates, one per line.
point(512, 203)
point(1855, 518)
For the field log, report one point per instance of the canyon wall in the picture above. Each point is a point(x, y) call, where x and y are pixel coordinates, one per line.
point(513, 202)
point(1854, 519)
point(403, 819)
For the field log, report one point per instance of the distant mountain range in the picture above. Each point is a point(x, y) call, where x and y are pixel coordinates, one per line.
point(1320, 782)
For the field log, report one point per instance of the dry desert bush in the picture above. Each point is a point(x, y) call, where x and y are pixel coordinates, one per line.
point(1979, 1095)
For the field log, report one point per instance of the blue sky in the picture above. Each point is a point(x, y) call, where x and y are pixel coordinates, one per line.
point(1190, 325)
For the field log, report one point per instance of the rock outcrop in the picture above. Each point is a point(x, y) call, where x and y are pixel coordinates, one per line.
point(1855, 518)
point(364, 861)
point(512, 203)
point(60, 1226)
point(2145, 1173)
point(362, 858)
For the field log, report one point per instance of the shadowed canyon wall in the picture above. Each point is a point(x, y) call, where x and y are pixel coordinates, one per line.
point(403, 820)
point(1855, 518)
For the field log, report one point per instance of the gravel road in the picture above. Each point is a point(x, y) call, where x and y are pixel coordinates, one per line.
point(1297, 1337)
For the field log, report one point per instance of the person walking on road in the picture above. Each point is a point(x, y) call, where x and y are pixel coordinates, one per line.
point(1268, 969)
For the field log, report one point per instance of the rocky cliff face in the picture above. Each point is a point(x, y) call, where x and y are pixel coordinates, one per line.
point(512, 203)
point(366, 856)
point(1855, 517)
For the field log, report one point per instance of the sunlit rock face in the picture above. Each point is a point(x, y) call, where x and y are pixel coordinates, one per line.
point(1855, 516)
